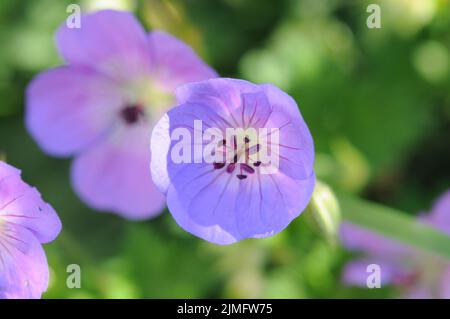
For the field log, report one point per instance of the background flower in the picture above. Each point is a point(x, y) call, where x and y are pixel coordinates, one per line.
point(101, 107)
point(26, 222)
point(224, 202)
point(417, 274)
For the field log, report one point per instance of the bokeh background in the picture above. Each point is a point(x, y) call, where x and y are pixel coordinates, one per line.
point(376, 100)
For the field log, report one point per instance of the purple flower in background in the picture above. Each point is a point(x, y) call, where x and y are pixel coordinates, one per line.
point(416, 274)
point(26, 222)
point(229, 200)
point(102, 105)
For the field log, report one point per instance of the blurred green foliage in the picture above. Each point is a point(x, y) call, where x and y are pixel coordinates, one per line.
point(376, 100)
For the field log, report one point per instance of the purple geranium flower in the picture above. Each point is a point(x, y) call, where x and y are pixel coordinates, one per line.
point(102, 105)
point(416, 274)
point(26, 222)
point(224, 201)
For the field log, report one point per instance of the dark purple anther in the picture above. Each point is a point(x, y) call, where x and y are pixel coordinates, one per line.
point(218, 165)
point(230, 168)
point(247, 168)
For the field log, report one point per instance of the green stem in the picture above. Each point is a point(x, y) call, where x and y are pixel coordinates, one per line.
point(394, 224)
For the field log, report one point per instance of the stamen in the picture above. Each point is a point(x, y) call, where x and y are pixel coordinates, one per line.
point(230, 168)
point(218, 165)
point(241, 176)
point(257, 163)
point(254, 149)
point(247, 168)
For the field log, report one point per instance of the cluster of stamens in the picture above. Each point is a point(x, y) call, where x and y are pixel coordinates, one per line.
point(246, 166)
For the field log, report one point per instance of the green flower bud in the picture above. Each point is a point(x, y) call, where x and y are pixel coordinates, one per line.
point(325, 211)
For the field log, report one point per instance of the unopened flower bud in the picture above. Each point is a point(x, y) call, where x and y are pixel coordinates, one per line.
point(325, 211)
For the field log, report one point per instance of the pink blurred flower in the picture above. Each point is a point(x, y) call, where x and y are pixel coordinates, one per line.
point(418, 275)
point(102, 105)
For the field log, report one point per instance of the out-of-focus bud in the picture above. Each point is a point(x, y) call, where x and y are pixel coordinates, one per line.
point(325, 212)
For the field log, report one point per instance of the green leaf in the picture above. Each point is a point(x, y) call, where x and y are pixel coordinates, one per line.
point(394, 224)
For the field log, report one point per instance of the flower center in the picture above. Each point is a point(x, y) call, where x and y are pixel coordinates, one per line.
point(132, 114)
point(146, 98)
point(246, 166)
